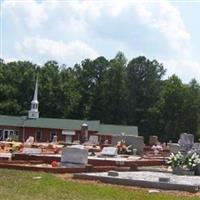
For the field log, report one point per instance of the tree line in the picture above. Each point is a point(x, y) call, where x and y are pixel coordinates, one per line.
point(113, 91)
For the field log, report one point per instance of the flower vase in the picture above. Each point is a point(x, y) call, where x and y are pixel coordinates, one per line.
point(181, 171)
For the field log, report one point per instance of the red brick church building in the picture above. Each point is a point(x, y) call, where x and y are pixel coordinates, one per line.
point(66, 130)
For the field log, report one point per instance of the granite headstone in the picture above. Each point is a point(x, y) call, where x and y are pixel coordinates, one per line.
point(186, 142)
point(196, 148)
point(153, 140)
point(109, 151)
point(74, 155)
point(137, 142)
point(174, 147)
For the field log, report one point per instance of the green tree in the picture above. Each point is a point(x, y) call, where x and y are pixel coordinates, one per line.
point(50, 90)
point(16, 81)
point(191, 108)
point(114, 92)
point(69, 96)
point(173, 101)
point(90, 75)
point(143, 85)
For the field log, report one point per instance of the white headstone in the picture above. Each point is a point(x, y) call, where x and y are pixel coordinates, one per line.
point(55, 139)
point(30, 140)
point(93, 139)
point(109, 151)
point(27, 150)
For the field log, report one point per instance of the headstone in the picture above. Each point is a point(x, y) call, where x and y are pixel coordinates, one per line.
point(79, 146)
point(153, 140)
point(134, 152)
point(93, 139)
point(76, 142)
point(55, 139)
point(30, 140)
point(196, 148)
point(109, 151)
point(6, 155)
point(137, 142)
point(27, 150)
point(174, 147)
point(186, 142)
point(74, 156)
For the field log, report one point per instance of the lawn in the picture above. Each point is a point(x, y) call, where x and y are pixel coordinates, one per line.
point(21, 185)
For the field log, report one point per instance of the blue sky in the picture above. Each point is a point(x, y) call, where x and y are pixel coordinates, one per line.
point(70, 31)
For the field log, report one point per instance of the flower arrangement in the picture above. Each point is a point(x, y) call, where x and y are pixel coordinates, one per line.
point(176, 160)
point(156, 149)
point(187, 162)
point(191, 160)
point(121, 147)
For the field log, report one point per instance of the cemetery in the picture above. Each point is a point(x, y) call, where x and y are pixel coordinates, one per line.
point(89, 150)
point(126, 161)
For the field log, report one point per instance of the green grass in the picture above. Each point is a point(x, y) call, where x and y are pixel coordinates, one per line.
point(20, 185)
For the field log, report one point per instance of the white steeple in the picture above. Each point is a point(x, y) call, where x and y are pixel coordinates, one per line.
point(33, 113)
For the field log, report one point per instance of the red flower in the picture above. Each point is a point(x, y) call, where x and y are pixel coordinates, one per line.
point(54, 163)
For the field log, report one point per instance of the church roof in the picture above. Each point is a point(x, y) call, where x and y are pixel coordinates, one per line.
point(110, 129)
point(69, 124)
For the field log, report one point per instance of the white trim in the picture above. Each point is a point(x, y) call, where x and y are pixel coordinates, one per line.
point(68, 132)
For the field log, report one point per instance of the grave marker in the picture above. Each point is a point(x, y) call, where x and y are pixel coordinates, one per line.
point(27, 150)
point(186, 142)
point(74, 156)
point(109, 151)
point(174, 147)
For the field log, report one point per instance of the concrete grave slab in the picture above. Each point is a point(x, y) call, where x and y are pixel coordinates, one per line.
point(147, 179)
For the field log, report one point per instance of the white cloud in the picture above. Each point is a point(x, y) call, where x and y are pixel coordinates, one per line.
point(166, 19)
point(159, 15)
point(186, 69)
point(69, 31)
point(29, 13)
point(57, 50)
